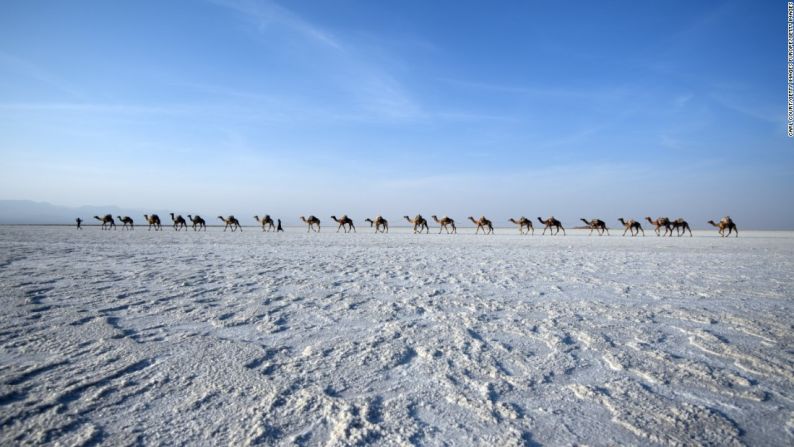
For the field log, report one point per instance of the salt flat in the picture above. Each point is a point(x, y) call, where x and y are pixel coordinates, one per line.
point(169, 338)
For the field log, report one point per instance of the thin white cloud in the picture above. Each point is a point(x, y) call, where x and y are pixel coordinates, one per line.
point(267, 14)
point(602, 93)
point(373, 91)
point(16, 64)
point(739, 103)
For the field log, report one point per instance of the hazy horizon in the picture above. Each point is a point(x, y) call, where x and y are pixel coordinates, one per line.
point(360, 108)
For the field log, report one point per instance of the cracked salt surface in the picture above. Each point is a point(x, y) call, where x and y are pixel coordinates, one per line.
point(398, 339)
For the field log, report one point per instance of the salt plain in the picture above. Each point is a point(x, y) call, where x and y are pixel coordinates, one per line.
point(138, 337)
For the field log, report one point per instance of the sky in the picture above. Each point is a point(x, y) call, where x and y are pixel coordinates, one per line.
point(459, 108)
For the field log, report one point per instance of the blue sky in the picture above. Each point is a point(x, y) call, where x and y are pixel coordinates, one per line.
point(577, 109)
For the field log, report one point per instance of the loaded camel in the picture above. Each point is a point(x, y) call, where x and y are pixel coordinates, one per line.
point(726, 223)
point(311, 222)
point(381, 225)
point(198, 222)
point(659, 223)
point(681, 227)
point(631, 225)
point(178, 222)
point(154, 221)
point(418, 222)
point(483, 223)
point(523, 222)
point(127, 221)
point(596, 224)
point(231, 222)
point(552, 222)
point(267, 222)
point(107, 221)
point(445, 223)
point(342, 221)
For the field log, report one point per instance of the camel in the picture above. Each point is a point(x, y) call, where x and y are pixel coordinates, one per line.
point(198, 222)
point(483, 223)
point(154, 221)
point(681, 227)
point(381, 225)
point(127, 221)
point(342, 221)
point(267, 222)
point(523, 222)
point(231, 222)
point(179, 222)
point(659, 223)
point(552, 222)
point(632, 225)
point(311, 221)
point(418, 222)
point(596, 224)
point(107, 221)
point(726, 223)
point(445, 223)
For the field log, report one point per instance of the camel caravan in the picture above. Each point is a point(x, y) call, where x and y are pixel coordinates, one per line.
point(662, 226)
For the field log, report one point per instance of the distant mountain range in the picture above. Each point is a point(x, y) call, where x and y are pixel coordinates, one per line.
point(30, 212)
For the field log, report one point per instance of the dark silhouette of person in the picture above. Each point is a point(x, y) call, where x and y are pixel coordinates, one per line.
point(279, 226)
point(79, 221)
